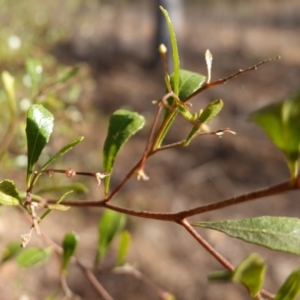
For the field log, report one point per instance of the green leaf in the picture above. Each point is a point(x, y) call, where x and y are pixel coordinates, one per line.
point(176, 62)
point(76, 187)
point(276, 233)
point(251, 273)
point(122, 125)
point(32, 257)
point(10, 251)
point(291, 287)
point(69, 245)
point(211, 111)
point(9, 194)
point(38, 130)
point(8, 82)
point(281, 122)
point(220, 275)
point(110, 224)
point(189, 82)
point(66, 75)
point(35, 72)
point(123, 247)
point(63, 151)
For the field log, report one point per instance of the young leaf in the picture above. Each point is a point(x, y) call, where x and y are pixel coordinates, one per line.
point(281, 122)
point(291, 287)
point(32, 257)
point(38, 130)
point(123, 247)
point(110, 224)
point(10, 251)
point(276, 233)
point(8, 82)
point(63, 151)
point(251, 273)
point(176, 62)
point(69, 245)
point(122, 125)
point(210, 111)
point(34, 70)
point(9, 194)
point(66, 75)
point(189, 82)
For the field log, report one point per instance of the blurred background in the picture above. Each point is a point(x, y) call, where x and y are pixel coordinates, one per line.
point(114, 44)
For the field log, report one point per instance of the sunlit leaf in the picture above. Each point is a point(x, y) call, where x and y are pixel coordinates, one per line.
point(9, 194)
point(211, 111)
point(110, 224)
point(33, 256)
point(58, 207)
point(123, 247)
point(290, 289)
point(281, 122)
point(63, 151)
point(8, 83)
point(38, 130)
point(69, 246)
point(10, 251)
point(122, 125)
point(277, 233)
point(251, 273)
point(176, 61)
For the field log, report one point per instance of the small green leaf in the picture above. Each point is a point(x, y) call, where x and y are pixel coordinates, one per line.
point(211, 111)
point(8, 82)
point(110, 224)
point(291, 287)
point(38, 130)
point(176, 61)
point(123, 247)
point(76, 187)
point(276, 233)
point(10, 251)
point(63, 151)
point(122, 125)
point(220, 275)
point(189, 82)
point(281, 122)
point(35, 72)
point(66, 75)
point(9, 194)
point(32, 257)
point(57, 206)
point(251, 273)
point(69, 245)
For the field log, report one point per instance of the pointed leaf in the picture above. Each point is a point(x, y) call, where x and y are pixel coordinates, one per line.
point(33, 256)
point(63, 151)
point(220, 275)
point(251, 273)
point(58, 207)
point(8, 82)
point(123, 247)
point(176, 62)
point(211, 111)
point(277, 233)
point(281, 122)
point(10, 251)
point(9, 194)
point(189, 82)
point(38, 130)
point(291, 287)
point(110, 224)
point(69, 245)
point(35, 72)
point(67, 74)
point(122, 125)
